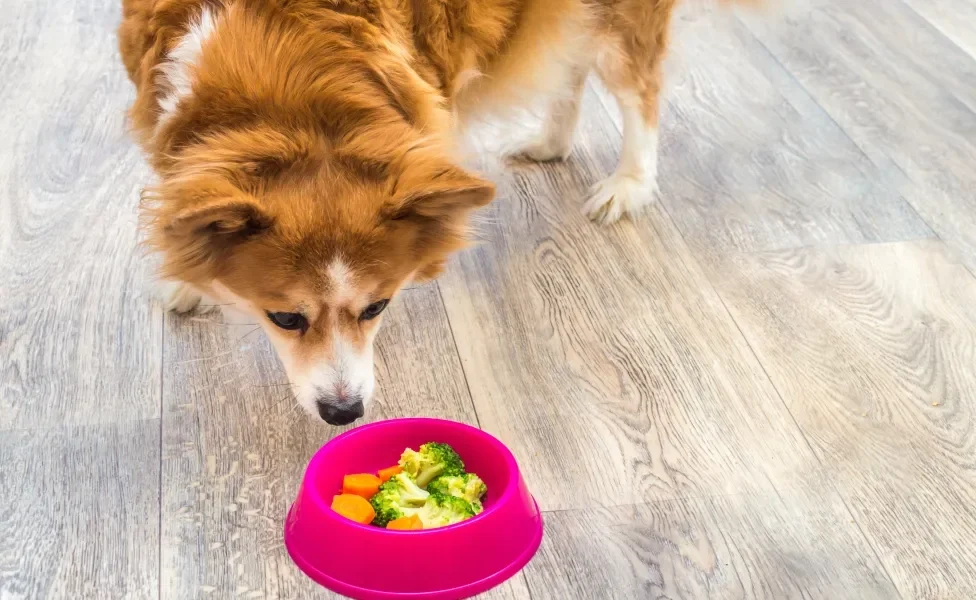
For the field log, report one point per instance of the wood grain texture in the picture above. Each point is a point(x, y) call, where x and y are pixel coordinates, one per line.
point(748, 161)
point(79, 512)
point(955, 19)
point(79, 343)
point(235, 444)
point(901, 90)
point(721, 547)
point(873, 348)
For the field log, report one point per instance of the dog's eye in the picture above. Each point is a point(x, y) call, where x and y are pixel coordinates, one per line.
point(289, 321)
point(373, 310)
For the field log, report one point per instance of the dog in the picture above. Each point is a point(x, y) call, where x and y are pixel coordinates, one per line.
point(305, 149)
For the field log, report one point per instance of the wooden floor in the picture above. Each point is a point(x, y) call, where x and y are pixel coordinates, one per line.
point(764, 388)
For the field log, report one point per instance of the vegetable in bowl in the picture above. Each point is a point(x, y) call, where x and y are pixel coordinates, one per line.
point(427, 488)
point(395, 497)
point(433, 460)
point(468, 486)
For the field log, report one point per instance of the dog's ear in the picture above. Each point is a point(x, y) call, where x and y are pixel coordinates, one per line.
point(219, 221)
point(436, 190)
point(194, 238)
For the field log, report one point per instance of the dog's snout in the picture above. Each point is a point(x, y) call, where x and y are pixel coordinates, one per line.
point(339, 412)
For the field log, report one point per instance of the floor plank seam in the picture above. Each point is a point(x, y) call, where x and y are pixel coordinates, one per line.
point(938, 31)
point(525, 582)
point(162, 378)
point(826, 113)
point(648, 502)
point(821, 245)
point(935, 237)
point(843, 130)
point(457, 352)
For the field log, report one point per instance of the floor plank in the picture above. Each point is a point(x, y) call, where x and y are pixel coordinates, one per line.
point(235, 444)
point(79, 342)
point(901, 90)
point(873, 347)
point(722, 547)
point(955, 19)
point(79, 512)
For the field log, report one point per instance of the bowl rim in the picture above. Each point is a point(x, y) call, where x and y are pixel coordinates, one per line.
point(510, 490)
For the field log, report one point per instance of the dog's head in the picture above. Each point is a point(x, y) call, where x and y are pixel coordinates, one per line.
point(305, 184)
point(312, 243)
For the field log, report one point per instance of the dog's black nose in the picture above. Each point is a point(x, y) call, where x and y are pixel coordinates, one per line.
point(334, 413)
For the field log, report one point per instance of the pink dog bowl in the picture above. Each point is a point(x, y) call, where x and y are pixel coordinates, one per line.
point(457, 561)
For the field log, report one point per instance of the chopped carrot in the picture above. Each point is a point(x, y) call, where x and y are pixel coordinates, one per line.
point(361, 484)
point(406, 523)
point(354, 507)
point(388, 472)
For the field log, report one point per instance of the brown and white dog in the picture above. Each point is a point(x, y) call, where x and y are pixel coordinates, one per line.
point(305, 148)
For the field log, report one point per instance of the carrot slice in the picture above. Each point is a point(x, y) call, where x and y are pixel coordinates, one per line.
point(387, 473)
point(354, 507)
point(361, 484)
point(406, 523)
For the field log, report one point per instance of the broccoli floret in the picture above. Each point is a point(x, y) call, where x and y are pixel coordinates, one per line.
point(386, 504)
point(411, 494)
point(441, 510)
point(432, 460)
point(468, 486)
point(397, 495)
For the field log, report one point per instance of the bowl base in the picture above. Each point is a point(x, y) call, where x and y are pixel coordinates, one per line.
point(457, 593)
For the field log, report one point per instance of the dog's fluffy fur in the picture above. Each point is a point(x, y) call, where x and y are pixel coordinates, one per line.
point(305, 148)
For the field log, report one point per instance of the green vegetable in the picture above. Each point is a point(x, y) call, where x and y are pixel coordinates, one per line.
point(467, 486)
point(401, 492)
point(431, 461)
point(441, 510)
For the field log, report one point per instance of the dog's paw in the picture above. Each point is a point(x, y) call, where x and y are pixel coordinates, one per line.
point(177, 296)
point(546, 150)
point(619, 195)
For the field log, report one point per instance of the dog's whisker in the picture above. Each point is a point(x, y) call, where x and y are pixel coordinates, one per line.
point(203, 358)
point(209, 321)
point(270, 385)
point(273, 407)
point(248, 333)
point(291, 395)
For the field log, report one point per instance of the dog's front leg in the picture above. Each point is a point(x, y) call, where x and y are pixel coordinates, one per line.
point(633, 184)
point(630, 67)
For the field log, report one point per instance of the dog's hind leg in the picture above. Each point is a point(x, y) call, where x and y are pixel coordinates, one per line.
point(630, 67)
point(555, 141)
